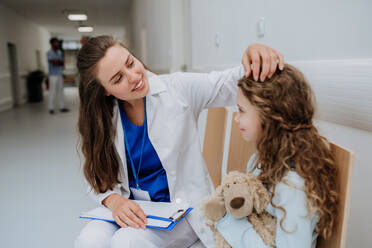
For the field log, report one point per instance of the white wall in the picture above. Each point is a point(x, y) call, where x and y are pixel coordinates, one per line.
point(343, 90)
point(28, 37)
point(159, 35)
point(152, 18)
point(301, 30)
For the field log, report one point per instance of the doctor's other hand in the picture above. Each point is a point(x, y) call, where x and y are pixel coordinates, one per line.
point(125, 212)
point(257, 55)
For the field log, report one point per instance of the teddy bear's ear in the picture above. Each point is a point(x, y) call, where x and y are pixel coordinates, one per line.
point(260, 195)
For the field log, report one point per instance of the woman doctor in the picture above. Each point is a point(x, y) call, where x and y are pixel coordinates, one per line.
point(140, 141)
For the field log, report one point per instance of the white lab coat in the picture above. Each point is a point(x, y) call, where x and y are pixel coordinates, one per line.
point(173, 104)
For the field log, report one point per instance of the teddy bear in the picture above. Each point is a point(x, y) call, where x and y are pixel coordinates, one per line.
point(242, 196)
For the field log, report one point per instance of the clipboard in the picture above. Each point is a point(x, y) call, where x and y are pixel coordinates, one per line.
point(160, 215)
point(172, 220)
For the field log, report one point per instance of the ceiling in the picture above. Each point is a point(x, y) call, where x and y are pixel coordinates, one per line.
point(106, 16)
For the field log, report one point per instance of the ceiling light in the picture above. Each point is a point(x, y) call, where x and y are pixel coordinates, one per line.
point(77, 17)
point(85, 29)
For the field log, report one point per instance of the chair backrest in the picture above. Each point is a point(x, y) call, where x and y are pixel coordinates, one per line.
point(214, 141)
point(240, 152)
point(345, 163)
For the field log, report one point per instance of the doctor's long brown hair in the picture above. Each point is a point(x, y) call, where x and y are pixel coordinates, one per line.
point(101, 165)
point(289, 141)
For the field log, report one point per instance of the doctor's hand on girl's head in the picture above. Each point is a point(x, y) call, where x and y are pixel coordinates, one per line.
point(125, 212)
point(259, 57)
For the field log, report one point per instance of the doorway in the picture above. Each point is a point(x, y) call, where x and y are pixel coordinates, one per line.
point(14, 76)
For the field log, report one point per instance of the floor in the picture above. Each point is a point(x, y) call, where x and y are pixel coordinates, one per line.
point(42, 185)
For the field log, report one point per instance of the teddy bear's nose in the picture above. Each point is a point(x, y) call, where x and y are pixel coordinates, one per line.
point(237, 202)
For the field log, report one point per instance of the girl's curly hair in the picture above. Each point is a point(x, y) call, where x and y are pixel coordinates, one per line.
point(289, 141)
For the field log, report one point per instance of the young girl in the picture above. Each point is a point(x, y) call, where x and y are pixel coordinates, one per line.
point(140, 140)
point(292, 160)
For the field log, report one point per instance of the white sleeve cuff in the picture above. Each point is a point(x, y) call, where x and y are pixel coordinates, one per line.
point(100, 197)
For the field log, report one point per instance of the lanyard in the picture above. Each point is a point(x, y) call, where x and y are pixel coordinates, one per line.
point(135, 174)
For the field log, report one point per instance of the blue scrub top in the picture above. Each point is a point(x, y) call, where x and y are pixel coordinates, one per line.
point(54, 70)
point(152, 176)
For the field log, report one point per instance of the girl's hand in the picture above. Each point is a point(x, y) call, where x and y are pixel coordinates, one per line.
point(257, 55)
point(125, 212)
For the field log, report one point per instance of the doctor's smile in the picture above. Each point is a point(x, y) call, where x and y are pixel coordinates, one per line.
point(139, 86)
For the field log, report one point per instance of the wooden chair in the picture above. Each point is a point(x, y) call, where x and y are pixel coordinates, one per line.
point(345, 162)
point(240, 152)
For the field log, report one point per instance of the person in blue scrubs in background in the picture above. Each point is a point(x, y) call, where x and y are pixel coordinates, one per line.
point(55, 65)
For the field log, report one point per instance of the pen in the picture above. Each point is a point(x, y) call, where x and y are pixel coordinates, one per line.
point(178, 215)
